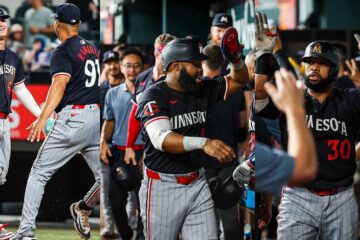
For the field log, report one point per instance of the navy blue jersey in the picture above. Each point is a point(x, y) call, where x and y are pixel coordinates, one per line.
point(187, 115)
point(11, 74)
point(78, 59)
point(143, 81)
point(334, 124)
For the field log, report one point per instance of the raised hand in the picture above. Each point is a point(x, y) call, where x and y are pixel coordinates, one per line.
point(265, 38)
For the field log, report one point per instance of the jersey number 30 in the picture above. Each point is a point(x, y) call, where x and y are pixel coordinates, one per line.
point(339, 149)
point(92, 69)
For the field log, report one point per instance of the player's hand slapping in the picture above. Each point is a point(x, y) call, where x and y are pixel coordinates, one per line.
point(219, 150)
point(354, 73)
point(105, 152)
point(36, 128)
point(130, 156)
point(265, 39)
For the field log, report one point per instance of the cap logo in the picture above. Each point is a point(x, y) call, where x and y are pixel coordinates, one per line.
point(73, 20)
point(82, 42)
point(224, 19)
point(317, 49)
point(111, 55)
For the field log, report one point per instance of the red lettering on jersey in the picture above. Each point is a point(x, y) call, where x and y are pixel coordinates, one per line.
point(85, 50)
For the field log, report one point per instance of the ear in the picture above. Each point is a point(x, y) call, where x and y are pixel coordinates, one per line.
point(177, 66)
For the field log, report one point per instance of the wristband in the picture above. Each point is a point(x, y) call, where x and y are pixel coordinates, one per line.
point(193, 143)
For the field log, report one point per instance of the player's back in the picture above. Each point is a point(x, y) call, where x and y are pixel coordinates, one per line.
point(79, 59)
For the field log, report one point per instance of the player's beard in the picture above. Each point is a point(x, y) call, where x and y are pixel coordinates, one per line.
point(187, 81)
point(322, 85)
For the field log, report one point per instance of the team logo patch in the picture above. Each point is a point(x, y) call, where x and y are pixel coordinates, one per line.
point(317, 49)
point(82, 42)
point(224, 19)
point(151, 109)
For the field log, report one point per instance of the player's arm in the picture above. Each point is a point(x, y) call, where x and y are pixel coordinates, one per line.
point(55, 94)
point(134, 128)
point(106, 134)
point(166, 140)
point(27, 99)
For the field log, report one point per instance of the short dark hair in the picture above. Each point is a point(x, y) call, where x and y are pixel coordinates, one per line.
point(216, 59)
point(135, 51)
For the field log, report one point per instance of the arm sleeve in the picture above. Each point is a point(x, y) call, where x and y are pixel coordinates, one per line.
point(60, 64)
point(27, 99)
point(134, 127)
point(108, 110)
point(266, 64)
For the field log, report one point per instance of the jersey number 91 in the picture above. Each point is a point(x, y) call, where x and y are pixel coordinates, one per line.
point(92, 70)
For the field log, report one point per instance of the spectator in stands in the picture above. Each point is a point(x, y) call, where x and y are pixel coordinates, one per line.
point(89, 12)
point(20, 12)
point(32, 57)
point(37, 22)
point(16, 40)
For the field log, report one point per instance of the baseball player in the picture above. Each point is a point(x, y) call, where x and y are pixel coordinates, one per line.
point(143, 81)
point(12, 79)
point(325, 208)
point(174, 195)
point(74, 95)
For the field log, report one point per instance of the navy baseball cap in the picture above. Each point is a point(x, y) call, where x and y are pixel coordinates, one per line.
point(67, 13)
point(3, 14)
point(110, 56)
point(222, 20)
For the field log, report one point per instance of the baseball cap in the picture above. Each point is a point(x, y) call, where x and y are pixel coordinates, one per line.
point(3, 14)
point(110, 56)
point(222, 20)
point(67, 13)
point(182, 50)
